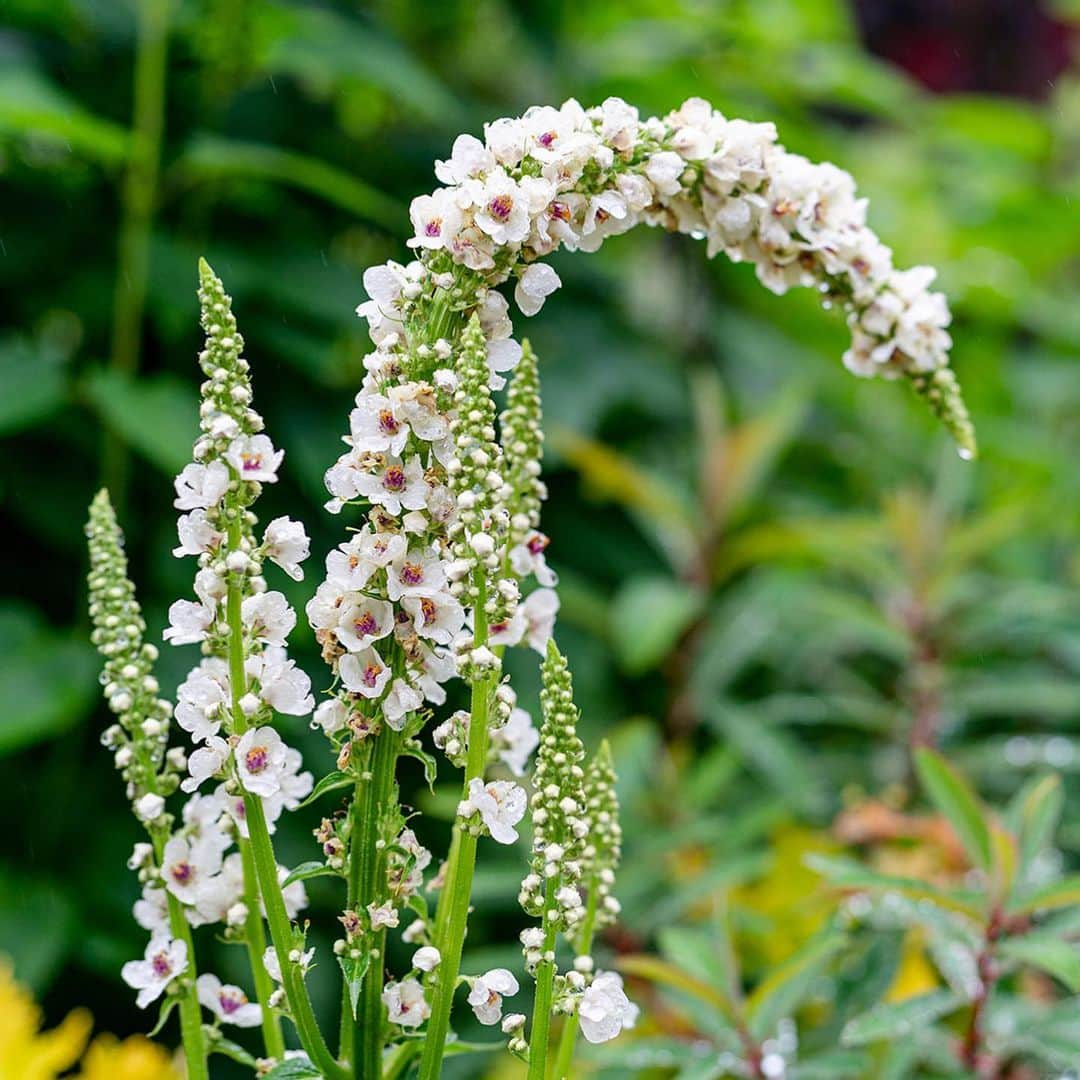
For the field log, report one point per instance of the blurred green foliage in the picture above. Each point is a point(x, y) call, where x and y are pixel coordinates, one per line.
point(776, 579)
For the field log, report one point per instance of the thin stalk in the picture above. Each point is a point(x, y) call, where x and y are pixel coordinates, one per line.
point(545, 983)
point(565, 1056)
point(191, 1033)
point(370, 1008)
point(138, 198)
point(460, 871)
point(277, 917)
point(261, 850)
point(359, 812)
point(255, 937)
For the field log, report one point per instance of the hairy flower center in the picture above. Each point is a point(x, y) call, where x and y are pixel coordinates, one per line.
point(433, 227)
point(251, 462)
point(388, 422)
point(256, 759)
point(547, 138)
point(160, 965)
point(182, 872)
point(366, 624)
point(394, 478)
point(501, 207)
point(371, 674)
point(412, 573)
point(428, 609)
point(537, 544)
point(231, 1000)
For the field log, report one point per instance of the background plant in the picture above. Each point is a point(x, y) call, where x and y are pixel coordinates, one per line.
point(978, 186)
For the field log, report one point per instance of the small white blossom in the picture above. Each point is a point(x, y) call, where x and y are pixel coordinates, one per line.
point(605, 1010)
point(268, 617)
point(487, 992)
point(500, 804)
point(261, 760)
point(405, 1003)
point(228, 1003)
point(426, 958)
point(287, 544)
point(188, 622)
point(162, 962)
point(255, 458)
point(201, 486)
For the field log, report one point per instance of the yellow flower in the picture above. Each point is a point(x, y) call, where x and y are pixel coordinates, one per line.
point(136, 1058)
point(27, 1052)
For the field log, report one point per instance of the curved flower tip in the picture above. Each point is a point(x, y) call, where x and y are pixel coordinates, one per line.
point(941, 391)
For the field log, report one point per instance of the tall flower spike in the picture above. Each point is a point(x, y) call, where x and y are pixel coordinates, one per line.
point(139, 740)
point(481, 493)
point(941, 391)
point(523, 446)
point(558, 805)
point(603, 849)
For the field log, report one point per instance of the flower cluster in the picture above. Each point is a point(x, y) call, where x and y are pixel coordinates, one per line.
point(569, 177)
point(603, 847)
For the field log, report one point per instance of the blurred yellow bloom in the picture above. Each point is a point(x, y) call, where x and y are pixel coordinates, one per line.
point(916, 974)
point(136, 1058)
point(27, 1052)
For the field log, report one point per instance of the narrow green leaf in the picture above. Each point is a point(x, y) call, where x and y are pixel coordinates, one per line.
point(307, 870)
point(956, 801)
point(354, 969)
point(412, 748)
point(217, 1044)
point(1059, 894)
point(1035, 815)
point(648, 617)
point(892, 1020)
point(330, 782)
point(1052, 955)
point(294, 1069)
point(167, 1005)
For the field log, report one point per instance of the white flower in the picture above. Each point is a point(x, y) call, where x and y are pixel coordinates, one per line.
point(426, 958)
point(364, 673)
point(664, 169)
point(363, 622)
point(162, 962)
point(469, 159)
point(201, 486)
point(375, 427)
point(273, 968)
point(487, 992)
point(394, 485)
point(528, 558)
point(187, 865)
point(254, 458)
point(540, 608)
point(438, 618)
point(435, 218)
point(500, 804)
point(619, 126)
point(282, 685)
point(188, 622)
point(516, 740)
point(405, 1003)
point(415, 574)
point(268, 617)
point(605, 1010)
point(210, 587)
point(286, 544)
point(261, 760)
point(330, 715)
point(149, 807)
point(402, 700)
point(196, 534)
point(228, 1003)
point(202, 698)
point(382, 915)
point(537, 282)
point(151, 910)
point(503, 209)
point(205, 762)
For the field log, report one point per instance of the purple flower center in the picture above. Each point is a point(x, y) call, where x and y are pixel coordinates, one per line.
point(231, 1000)
point(365, 625)
point(537, 544)
point(547, 138)
point(181, 872)
point(251, 462)
point(371, 675)
point(388, 421)
point(160, 965)
point(394, 478)
point(256, 759)
point(428, 609)
point(412, 573)
point(433, 227)
point(501, 207)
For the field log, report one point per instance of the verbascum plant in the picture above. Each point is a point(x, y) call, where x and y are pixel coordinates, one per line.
point(442, 570)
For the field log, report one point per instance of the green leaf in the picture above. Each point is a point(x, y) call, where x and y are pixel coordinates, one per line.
point(307, 870)
point(648, 617)
point(217, 1044)
point(697, 952)
point(47, 679)
point(1059, 894)
point(1052, 955)
point(330, 782)
point(215, 158)
point(412, 748)
point(893, 1020)
point(831, 1065)
point(294, 1069)
point(848, 874)
point(1034, 817)
point(31, 105)
point(167, 1005)
point(33, 385)
point(784, 990)
point(954, 798)
point(155, 414)
point(354, 969)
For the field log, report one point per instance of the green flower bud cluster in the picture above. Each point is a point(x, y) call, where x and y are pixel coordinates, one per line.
point(522, 435)
point(941, 391)
point(140, 738)
point(558, 803)
point(603, 848)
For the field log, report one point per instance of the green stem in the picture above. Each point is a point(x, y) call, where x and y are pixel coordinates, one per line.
point(255, 936)
point(400, 1058)
point(565, 1056)
point(460, 870)
point(370, 886)
point(191, 1032)
point(259, 845)
point(281, 934)
point(545, 983)
point(137, 210)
